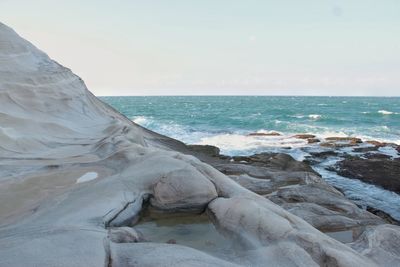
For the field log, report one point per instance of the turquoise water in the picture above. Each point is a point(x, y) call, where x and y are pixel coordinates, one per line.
point(191, 118)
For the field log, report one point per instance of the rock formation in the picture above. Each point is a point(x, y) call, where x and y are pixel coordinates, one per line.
point(75, 176)
point(376, 169)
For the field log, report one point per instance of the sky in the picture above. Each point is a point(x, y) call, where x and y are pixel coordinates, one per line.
point(219, 47)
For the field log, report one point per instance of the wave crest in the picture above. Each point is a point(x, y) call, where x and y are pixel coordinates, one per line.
point(314, 116)
point(385, 112)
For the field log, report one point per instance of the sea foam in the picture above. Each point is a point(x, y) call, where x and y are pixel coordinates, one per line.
point(314, 116)
point(141, 120)
point(385, 112)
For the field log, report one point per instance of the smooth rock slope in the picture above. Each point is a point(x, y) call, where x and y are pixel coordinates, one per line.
point(75, 175)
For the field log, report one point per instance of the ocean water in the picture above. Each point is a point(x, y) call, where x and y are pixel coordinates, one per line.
point(226, 121)
point(194, 119)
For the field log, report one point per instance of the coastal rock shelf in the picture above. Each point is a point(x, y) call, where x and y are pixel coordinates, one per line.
point(75, 176)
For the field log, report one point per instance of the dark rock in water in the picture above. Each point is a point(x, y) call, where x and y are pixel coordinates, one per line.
point(313, 140)
point(224, 157)
point(310, 161)
point(212, 151)
point(376, 156)
point(264, 134)
point(241, 159)
point(383, 215)
point(377, 144)
point(324, 154)
point(304, 136)
point(278, 161)
point(365, 149)
point(352, 140)
point(331, 168)
point(332, 144)
point(338, 142)
point(383, 172)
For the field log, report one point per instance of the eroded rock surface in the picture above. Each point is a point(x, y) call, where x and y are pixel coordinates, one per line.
point(380, 243)
point(185, 189)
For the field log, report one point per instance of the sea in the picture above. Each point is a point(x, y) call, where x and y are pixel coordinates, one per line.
point(227, 121)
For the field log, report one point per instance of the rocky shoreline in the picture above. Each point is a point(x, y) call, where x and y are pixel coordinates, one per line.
point(82, 185)
point(246, 169)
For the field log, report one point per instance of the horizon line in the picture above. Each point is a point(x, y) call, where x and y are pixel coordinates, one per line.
point(160, 95)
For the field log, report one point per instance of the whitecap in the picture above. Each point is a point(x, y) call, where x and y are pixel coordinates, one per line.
point(238, 144)
point(385, 112)
point(297, 116)
point(328, 133)
point(89, 176)
point(314, 116)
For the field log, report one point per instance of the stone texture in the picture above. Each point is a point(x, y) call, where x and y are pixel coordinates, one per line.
point(185, 189)
point(381, 171)
point(380, 243)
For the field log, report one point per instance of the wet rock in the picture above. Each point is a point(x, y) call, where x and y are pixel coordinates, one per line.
point(318, 157)
point(212, 151)
point(241, 159)
point(313, 140)
point(365, 149)
point(376, 156)
point(376, 143)
point(304, 136)
point(382, 144)
point(324, 154)
point(276, 161)
point(333, 145)
point(383, 172)
point(338, 142)
point(264, 134)
point(351, 140)
point(383, 215)
point(279, 161)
